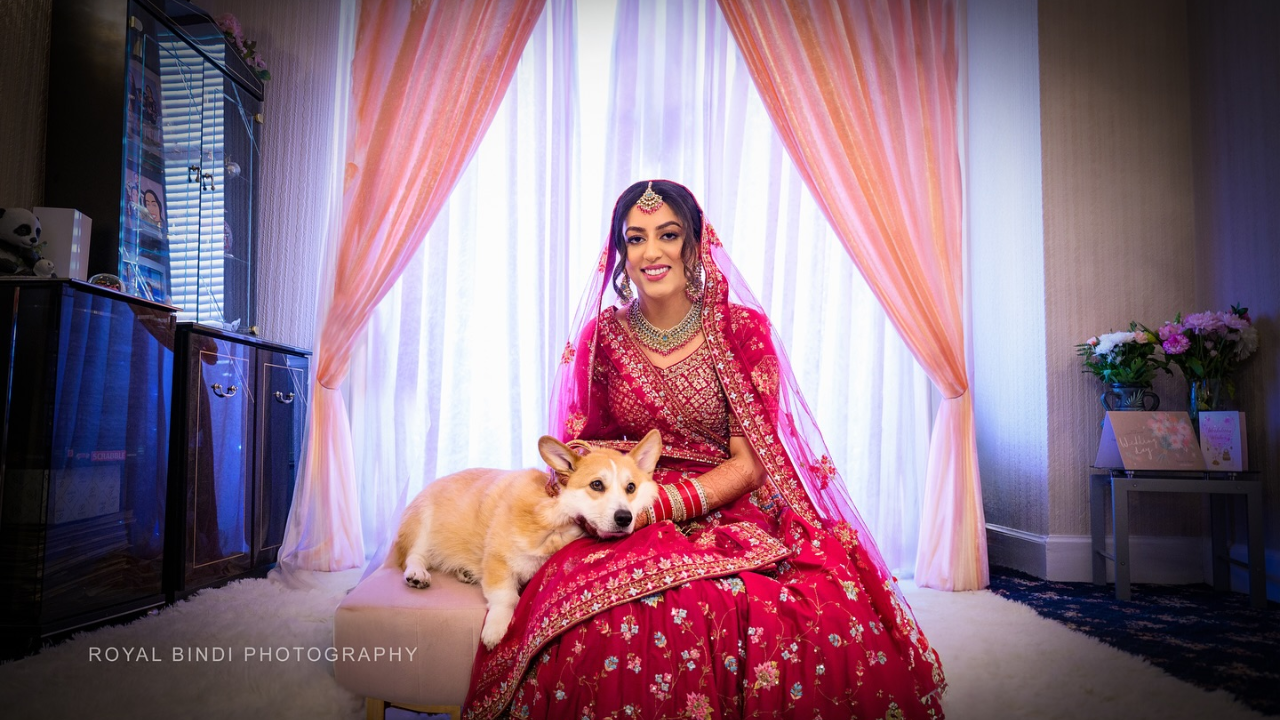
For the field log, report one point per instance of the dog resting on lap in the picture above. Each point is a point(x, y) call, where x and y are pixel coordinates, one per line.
point(497, 527)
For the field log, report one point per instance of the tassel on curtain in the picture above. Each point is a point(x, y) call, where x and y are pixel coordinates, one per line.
point(863, 94)
point(427, 78)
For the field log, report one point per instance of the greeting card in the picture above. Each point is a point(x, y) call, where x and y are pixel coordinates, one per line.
point(1149, 441)
point(1222, 441)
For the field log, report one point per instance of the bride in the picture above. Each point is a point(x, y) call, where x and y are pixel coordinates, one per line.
point(752, 587)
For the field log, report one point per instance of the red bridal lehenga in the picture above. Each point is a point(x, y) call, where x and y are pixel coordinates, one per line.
point(775, 605)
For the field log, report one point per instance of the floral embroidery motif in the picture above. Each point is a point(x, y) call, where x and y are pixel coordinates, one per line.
point(567, 356)
point(766, 674)
point(574, 424)
point(710, 237)
point(824, 470)
point(698, 706)
point(765, 376)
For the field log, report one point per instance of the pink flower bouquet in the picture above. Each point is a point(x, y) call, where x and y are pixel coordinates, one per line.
point(1209, 345)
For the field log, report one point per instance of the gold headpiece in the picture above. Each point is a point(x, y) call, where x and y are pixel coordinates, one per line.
point(650, 201)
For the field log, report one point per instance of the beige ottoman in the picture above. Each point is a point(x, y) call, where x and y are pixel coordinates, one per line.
point(408, 648)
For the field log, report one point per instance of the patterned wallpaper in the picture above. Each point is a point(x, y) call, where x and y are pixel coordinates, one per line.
point(24, 87)
point(296, 38)
point(1119, 219)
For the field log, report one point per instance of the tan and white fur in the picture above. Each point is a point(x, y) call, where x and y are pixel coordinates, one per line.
point(497, 527)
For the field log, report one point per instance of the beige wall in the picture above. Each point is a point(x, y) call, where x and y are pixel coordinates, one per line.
point(24, 80)
point(1119, 219)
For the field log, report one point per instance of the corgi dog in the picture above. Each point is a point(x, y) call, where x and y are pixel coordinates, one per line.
point(498, 527)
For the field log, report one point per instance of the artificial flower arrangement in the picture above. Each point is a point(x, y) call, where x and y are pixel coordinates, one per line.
point(248, 49)
point(1209, 345)
point(1130, 358)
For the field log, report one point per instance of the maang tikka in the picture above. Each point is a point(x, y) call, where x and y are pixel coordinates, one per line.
point(650, 201)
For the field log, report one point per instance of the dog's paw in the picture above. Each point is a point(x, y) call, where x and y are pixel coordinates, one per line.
point(417, 577)
point(466, 577)
point(495, 626)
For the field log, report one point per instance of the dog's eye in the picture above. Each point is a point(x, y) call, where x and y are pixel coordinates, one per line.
point(631, 487)
point(597, 485)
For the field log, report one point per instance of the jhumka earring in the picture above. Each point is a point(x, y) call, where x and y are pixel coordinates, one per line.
point(693, 283)
point(626, 287)
point(650, 201)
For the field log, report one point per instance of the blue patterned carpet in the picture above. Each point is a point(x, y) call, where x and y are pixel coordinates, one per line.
point(1212, 640)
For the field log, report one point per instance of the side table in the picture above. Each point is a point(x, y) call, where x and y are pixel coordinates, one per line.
point(1117, 483)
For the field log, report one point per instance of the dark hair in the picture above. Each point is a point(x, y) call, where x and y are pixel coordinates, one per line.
point(682, 203)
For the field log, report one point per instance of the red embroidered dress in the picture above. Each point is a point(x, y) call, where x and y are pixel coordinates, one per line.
point(774, 605)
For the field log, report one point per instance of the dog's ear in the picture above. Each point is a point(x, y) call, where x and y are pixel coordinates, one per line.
point(648, 450)
point(559, 456)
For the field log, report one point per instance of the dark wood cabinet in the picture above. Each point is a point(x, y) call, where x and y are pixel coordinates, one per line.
point(84, 456)
point(241, 407)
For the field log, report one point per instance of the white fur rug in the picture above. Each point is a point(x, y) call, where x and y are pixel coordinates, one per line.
point(1002, 661)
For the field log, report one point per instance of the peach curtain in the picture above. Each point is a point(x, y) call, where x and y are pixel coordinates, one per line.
point(863, 94)
point(427, 78)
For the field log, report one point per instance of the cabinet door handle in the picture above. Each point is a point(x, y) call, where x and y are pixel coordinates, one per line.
point(193, 174)
point(282, 398)
point(209, 185)
point(230, 391)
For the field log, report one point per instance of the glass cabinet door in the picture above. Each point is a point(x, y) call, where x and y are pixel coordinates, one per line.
point(160, 210)
point(228, 167)
point(190, 172)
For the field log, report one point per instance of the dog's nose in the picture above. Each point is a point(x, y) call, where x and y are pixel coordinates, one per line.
point(622, 518)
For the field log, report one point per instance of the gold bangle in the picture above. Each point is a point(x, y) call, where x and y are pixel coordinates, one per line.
point(678, 511)
point(702, 495)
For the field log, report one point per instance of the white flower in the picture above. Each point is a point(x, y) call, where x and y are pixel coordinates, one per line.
point(1110, 341)
point(1248, 342)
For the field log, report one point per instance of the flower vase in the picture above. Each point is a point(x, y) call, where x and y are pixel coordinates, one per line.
point(1207, 394)
point(1129, 396)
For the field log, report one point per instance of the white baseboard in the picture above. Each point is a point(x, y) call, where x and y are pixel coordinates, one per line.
point(1068, 558)
point(1154, 559)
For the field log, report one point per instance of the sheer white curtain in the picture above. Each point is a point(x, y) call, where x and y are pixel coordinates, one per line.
point(684, 108)
point(453, 369)
point(456, 366)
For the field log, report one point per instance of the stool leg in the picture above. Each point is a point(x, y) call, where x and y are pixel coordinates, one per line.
point(375, 709)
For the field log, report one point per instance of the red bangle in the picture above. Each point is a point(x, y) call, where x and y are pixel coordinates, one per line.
point(692, 507)
point(661, 506)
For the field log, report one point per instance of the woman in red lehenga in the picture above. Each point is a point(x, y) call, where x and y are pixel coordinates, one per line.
point(752, 589)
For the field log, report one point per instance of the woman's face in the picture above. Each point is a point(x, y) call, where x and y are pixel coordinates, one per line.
point(654, 242)
point(153, 205)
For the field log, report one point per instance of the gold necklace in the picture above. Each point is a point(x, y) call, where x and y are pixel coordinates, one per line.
point(665, 342)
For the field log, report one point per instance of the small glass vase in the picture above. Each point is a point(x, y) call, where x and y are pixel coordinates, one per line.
point(1129, 396)
point(1207, 394)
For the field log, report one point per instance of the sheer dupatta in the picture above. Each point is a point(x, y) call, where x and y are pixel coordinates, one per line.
point(758, 381)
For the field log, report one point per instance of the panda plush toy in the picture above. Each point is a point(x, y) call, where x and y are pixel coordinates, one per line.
point(20, 244)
